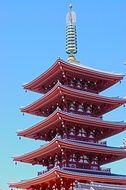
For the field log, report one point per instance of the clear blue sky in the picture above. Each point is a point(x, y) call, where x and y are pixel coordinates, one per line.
point(32, 37)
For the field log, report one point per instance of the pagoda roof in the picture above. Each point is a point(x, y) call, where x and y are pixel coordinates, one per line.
point(57, 173)
point(57, 94)
point(57, 144)
point(60, 66)
point(58, 116)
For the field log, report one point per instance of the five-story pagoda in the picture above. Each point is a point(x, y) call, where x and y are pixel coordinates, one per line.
point(73, 126)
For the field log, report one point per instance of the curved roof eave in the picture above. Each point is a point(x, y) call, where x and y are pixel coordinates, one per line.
point(54, 117)
point(59, 173)
point(59, 90)
point(57, 143)
point(61, 64)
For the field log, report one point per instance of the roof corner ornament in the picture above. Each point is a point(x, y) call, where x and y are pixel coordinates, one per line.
point(71, 35)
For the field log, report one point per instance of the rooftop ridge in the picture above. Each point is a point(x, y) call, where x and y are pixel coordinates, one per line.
point(91, 68)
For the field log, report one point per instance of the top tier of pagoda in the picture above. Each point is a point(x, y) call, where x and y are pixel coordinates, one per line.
point(75, 76)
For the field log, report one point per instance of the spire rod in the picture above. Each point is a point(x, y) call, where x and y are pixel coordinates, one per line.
point(71, 34)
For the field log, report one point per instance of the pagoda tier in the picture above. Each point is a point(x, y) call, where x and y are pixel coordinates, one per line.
point(75, 76)
point(73, 126)
point(73, 154)
point(72, 100)
point(64, 179)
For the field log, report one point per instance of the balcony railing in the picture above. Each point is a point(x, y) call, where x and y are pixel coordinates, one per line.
point(98, 186)
point(73, 167)
point(98, 143)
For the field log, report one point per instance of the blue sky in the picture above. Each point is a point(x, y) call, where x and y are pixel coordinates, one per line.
point(32, 37)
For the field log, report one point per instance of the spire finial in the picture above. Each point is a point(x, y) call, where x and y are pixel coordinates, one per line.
point(70, 6)
point(71, 35)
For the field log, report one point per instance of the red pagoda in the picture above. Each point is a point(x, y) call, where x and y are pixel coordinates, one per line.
point(74, 125)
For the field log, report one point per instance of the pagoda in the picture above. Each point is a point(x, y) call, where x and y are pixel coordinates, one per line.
point(74, 125)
